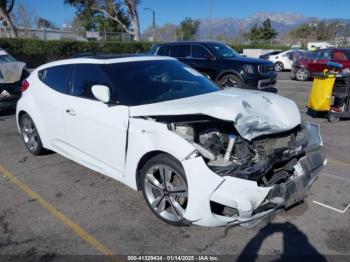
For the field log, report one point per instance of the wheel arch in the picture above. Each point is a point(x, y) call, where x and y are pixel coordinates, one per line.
point(144, 159)
point(19, 116)
point(228, 72)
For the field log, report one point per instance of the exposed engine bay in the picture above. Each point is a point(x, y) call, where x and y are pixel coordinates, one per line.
point(268, 160)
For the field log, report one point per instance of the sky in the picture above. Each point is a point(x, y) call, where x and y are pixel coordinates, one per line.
point(174, 11)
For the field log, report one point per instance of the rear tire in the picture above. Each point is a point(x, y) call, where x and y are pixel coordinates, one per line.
point(164, 187)
point(30, 135)
point(230, 81)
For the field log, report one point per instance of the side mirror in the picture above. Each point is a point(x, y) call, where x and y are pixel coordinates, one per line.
point(101, 93)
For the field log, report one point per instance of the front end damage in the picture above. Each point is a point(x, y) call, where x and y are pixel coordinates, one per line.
point(232, 180)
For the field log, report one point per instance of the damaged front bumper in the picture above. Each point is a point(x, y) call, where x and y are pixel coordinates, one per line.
point(227, 200)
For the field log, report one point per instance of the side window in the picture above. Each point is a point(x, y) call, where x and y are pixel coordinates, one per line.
point(325, 54)
point(347, 54)
point(56, 77)
point(163, 51)
point(180, 51)
point(84, 77)
point(338, 55)
point(199, 52)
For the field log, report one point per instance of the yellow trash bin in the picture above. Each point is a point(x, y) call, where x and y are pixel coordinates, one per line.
point(321, 93)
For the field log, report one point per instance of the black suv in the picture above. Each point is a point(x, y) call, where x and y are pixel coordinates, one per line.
point(221, 63)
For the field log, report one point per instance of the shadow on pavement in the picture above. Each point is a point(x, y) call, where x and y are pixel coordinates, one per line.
point(295, 245)
point(270, 89)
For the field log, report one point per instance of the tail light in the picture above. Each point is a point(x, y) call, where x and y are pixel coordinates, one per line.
point(25, 85)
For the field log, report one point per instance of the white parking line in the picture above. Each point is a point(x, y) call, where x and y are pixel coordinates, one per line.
point(332, 208)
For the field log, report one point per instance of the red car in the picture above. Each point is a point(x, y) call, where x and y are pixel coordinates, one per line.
point(316, 61)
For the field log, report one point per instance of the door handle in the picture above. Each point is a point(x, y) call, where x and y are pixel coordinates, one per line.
point(70, 111)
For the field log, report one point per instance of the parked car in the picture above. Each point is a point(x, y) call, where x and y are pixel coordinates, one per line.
point(12, 73)
point(266, 55)
point(284, 60)
point(221, 63)
point(199, 154)
point(316, 62)
point(318, 45)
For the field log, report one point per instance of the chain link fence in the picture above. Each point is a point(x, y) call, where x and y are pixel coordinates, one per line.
point(58, 34)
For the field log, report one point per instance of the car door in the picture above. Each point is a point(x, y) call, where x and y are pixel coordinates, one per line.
point(182, 52)
point(95, 132)
point(52, 92)
point(203, 61)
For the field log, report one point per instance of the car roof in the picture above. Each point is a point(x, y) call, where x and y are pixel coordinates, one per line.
point(105, 59)
point(191, 42)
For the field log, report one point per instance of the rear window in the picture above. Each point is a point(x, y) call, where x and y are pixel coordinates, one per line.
point(56, 77)
point(180, 51)
point(163, 51)
point(7, 58)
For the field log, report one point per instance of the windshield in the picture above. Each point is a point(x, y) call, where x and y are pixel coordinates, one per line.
point(7, 58)
point(224, 51)
point(145, 82)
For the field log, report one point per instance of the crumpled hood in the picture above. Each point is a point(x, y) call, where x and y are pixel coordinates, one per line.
point(11, 72)
point(254, 113)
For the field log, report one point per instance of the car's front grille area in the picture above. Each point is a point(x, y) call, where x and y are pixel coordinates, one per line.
point(264, 69)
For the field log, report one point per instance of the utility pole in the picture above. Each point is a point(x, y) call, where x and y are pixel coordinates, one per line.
point(210, 17)
point(153, 22)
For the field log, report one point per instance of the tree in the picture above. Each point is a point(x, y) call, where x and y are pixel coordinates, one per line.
point(23, 16)
point(301, 33)
point(43, 23)
point(315, 30)
point(96, 13)
point(6, 7)
point(263, 33)
point(188, 28)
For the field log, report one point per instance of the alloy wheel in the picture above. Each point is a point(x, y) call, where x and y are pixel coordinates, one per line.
point(30, 134)
point(279, 67)
point(166, 191)
point(302, 74)
point(229, 83)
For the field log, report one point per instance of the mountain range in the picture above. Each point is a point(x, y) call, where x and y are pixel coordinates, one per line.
point(281, 22)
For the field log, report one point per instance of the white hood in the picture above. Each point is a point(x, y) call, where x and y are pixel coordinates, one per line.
point(254, 113)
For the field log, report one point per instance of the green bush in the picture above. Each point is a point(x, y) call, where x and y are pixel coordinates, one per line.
point(36, 52)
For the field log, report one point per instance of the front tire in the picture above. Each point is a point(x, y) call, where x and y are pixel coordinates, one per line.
point(164, 187)
point(230, 81)
point(302, 74)
point(30, 135)
point(279, 67)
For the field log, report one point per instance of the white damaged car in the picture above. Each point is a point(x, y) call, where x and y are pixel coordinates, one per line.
point(200, 155)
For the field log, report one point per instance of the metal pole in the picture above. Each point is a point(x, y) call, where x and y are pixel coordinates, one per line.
point(153, 22)
point(154, 25)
